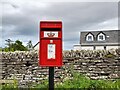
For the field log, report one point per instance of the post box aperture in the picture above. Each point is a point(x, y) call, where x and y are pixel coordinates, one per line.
point(50, 53)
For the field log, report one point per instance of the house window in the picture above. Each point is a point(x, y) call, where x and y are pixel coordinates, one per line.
point(101, 37)
point(89, 37)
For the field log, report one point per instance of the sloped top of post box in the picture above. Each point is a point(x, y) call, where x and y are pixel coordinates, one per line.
point(51, 24)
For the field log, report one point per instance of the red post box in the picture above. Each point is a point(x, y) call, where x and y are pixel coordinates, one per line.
point(50, 53)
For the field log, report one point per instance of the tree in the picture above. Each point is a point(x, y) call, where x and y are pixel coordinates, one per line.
point(17, 46)
point(9, 42)
point(29, 45)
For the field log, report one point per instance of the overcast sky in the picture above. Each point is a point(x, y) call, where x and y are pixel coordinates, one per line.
point(20, 19)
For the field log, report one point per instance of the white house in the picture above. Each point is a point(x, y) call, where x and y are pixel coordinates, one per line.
point(95, 40)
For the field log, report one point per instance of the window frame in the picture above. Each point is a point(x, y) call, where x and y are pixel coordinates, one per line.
point(89, 35)
point(98, 37)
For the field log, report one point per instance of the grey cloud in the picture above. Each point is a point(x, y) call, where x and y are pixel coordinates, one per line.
point(76, 17)
point(13, 5)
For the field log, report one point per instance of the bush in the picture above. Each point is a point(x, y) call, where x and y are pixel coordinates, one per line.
point(110, 56)
point(43, 85)
point(82, 82)
point(10, 86)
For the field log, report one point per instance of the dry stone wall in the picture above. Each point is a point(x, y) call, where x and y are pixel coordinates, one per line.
point(24, 66)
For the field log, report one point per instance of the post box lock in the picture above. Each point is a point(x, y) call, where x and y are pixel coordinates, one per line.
point(51, 41)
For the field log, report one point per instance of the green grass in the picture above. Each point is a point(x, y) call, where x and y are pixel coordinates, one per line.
point(81, 81)
point(78, 81)
point(10, 86)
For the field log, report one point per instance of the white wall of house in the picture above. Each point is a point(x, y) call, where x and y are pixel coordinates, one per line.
point(87, 47)
point(99, 48)
point(111, 47)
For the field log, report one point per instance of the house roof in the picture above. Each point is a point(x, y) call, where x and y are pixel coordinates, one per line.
point(112, 36)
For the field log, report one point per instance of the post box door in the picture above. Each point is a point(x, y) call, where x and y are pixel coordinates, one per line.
point(51, 52)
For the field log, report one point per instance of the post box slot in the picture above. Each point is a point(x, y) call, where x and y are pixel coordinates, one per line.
point(50, 29)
